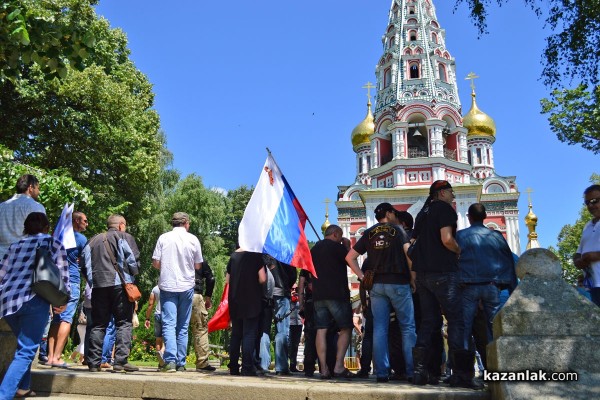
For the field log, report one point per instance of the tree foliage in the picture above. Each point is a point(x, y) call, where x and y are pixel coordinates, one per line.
point(96, 125)
point(571, 65)
point(51, 34)
point(569, 238)
point(56, 189)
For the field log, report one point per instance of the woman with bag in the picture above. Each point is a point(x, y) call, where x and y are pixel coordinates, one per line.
point(25, 312)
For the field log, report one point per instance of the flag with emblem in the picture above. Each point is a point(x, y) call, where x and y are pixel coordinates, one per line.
point(274, 220)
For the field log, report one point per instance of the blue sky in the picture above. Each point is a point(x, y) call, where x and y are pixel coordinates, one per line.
point(232, 78)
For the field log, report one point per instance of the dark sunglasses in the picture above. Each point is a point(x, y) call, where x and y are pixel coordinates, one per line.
point(591, 201)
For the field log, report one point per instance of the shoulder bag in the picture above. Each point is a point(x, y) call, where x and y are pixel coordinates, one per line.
point(133, 293)
point(46, 279)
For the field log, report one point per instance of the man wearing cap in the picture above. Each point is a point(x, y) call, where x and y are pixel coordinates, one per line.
point(386, 244)
point(177, 255)
point(438, 286)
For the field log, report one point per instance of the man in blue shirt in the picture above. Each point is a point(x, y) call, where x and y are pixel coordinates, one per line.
point(61, 324)
point(486, 266)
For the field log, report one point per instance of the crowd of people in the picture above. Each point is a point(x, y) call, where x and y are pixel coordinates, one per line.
point(424, 287)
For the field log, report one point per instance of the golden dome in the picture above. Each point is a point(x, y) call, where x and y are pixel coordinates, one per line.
point(362, 132)
point(477, 122)
point(325, 224)
point(531, 218)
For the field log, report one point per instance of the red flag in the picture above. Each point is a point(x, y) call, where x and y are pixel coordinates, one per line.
point(221, 318)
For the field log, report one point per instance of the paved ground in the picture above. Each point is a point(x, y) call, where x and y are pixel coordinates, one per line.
point(78, 383)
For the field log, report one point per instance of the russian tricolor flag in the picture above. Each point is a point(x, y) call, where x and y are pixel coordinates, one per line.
point(274, 221)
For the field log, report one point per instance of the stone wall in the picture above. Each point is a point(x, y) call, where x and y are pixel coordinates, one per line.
point(546, 325)
point(8, 344)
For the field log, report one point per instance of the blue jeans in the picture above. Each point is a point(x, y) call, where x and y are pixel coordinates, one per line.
point(265, 351)
point(437, 292)
point(471, 295)
point(384, 296)
point(28, 325)
point(109, 342)
point(282, 329)
point(176, 310)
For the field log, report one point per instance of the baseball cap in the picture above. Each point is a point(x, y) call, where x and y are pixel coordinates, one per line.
point(384, 207)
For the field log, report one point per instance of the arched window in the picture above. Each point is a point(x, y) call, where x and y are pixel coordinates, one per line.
point(411, 21)
point(434, 37)
point(414, 70)
point(387, 77)
point(442, 72)
point(391, 42)
point(411, 10)
point(412, 35)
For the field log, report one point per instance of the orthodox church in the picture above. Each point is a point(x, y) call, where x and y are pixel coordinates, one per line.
point(416, 133)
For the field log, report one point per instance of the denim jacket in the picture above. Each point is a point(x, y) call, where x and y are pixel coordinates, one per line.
point(485, 256)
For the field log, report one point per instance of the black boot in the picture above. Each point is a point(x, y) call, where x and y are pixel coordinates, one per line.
point(420, 360)
point(463, 373)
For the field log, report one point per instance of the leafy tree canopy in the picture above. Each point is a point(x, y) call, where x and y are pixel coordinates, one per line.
point(55, 189)
point(52, 34)
point(95, 125)
point(571, 56)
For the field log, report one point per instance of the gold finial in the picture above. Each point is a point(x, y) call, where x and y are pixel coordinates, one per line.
point(471, 77)
point(326, 223)
point(369, 86)
point(531, 221)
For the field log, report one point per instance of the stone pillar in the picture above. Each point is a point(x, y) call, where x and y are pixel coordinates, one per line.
point(546, 325)
point(8, 344)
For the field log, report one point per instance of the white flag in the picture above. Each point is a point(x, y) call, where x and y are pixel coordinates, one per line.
point(64, 227)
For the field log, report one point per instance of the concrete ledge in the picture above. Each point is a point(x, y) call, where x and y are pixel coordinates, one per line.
point(567, 353)
point(191, 385)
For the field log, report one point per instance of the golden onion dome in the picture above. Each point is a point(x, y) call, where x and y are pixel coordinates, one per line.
point(531, 218)
point(362, 132)
point(325, 224)
point(477, 122)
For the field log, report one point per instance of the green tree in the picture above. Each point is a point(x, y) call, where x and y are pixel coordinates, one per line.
point(96, 126)
point(55, 189)
point(569, 238)
point(51, 34)
point(571, 65)
point(238, 200)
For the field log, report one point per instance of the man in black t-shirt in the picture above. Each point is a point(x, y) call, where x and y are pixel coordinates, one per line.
point(386, 244)
point(246, 274)
point(438, 286)
point(331, 297)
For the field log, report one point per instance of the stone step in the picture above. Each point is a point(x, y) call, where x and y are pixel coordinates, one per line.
point(77, 382)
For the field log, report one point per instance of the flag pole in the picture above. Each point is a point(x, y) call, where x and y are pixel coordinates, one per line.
point(308, 219)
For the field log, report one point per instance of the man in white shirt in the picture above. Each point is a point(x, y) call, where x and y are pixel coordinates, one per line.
point(177, 254)
point(14, 211)
point(587, 256)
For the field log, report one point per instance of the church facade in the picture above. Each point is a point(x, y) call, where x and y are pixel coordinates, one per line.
point(416, 133)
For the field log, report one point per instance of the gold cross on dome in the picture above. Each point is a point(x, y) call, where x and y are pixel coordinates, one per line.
point(327, 201)
point(368, 86)
point(471, 77)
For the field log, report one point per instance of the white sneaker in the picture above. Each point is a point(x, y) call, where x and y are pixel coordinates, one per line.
point(161, 361)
